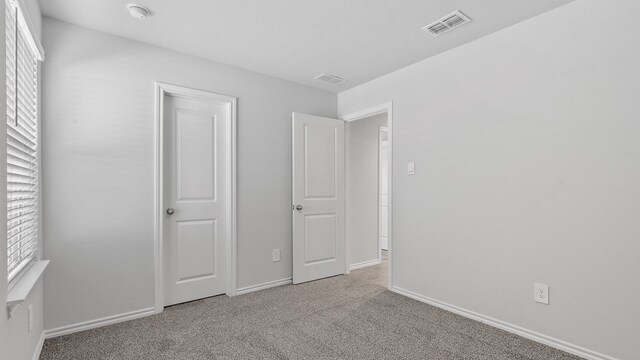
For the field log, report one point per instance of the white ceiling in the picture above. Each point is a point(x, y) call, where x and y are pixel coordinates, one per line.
point(296, 40)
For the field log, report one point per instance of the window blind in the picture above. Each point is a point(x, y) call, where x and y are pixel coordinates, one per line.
point(22, 143)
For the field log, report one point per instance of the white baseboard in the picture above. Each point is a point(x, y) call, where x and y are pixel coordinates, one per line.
point(91, 324)
point(36, 354)
point(266, 285)
point(526, 333)
point(363, 264)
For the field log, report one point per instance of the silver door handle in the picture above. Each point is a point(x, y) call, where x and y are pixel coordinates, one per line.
point(170, 211)
point(298, 207)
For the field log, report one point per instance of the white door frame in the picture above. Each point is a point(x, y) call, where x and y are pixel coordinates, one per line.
point(381, 129)
point(358, 115)
point(162, 90)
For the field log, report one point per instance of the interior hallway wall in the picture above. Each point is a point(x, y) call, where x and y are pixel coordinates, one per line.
point(527, 151)
point(98, 155)
point(363, 187)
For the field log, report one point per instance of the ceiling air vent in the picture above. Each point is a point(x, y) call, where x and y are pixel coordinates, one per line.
point(331, 79)
point(447, 23)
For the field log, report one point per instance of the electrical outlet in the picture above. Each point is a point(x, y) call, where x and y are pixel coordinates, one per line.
point(29, 318)
point(275, 255)
point(541, 293)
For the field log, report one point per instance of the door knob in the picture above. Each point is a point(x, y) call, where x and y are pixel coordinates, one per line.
point(298, 207)
point(170, 211)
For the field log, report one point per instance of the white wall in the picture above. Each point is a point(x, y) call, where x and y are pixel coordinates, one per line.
point(33, 15)
point(527, 152)
point(16, 343)
point(363, 187)
point(98, 167)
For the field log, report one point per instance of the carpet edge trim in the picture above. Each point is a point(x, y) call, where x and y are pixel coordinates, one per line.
point(514, 329)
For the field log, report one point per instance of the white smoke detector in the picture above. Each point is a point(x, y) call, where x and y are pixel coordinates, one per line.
point(138, 11)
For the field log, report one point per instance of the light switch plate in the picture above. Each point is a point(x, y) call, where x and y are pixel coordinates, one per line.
point(411, 168)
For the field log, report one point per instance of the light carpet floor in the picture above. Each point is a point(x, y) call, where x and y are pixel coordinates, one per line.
point(345, 317)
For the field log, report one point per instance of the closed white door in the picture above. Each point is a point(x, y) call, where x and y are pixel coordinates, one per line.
point(383, 200)
point(318, 198)
point(194, 199)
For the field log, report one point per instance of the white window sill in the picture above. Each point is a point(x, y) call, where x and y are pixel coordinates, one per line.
point(21, 290)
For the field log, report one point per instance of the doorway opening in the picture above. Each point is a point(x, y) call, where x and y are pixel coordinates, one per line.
point(342, 195)
point(368, 192)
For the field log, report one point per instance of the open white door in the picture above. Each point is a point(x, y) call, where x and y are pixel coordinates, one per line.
point(318, 198)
